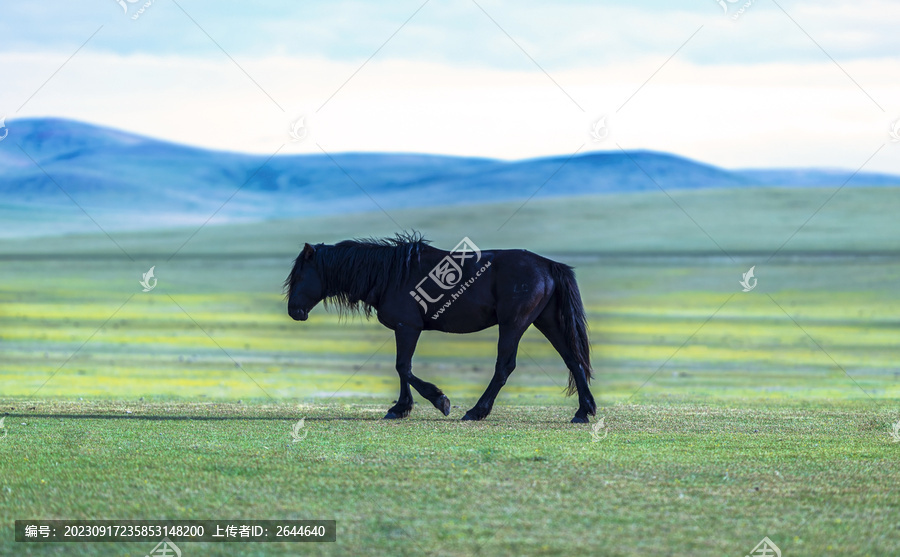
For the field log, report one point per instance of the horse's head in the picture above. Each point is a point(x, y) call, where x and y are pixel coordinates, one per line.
point(304, 286)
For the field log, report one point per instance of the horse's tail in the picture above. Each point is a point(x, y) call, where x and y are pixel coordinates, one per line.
point(572, 319)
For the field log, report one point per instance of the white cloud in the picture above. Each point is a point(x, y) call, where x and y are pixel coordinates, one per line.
point(560, 35)
point(732, 115)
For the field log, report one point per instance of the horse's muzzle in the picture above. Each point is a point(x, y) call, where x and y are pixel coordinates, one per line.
point(298, 314)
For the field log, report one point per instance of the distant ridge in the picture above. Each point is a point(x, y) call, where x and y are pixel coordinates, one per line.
point(131, 182)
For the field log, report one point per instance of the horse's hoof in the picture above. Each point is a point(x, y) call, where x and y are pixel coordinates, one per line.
point(443, 404)
point(392, 416)
point(577, 420)
point(472, 416)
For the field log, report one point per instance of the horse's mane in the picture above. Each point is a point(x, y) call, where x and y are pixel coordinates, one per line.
point(354, 272)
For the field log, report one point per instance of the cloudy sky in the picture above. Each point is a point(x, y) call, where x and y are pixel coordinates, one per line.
point(791, 83)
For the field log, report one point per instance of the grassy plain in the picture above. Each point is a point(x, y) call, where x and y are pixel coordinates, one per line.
point(731, 415)
point(664, 478)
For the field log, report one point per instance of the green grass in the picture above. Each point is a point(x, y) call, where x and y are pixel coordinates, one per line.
point(198, 338)
point(685, 477)
point(731, 415)
point(752, 220)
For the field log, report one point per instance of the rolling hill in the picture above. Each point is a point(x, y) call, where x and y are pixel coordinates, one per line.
point(57, 176)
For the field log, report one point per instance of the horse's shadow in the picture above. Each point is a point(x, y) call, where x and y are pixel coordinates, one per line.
point(163, 418)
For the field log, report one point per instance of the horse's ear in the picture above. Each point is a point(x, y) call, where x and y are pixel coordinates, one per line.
point(308, 251)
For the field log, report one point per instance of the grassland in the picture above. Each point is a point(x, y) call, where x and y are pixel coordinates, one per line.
point(241, 345)
point(752, 222)
point(663, 479)
point(731, 415)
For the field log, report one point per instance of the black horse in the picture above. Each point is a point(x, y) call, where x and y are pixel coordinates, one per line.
point(414, 287)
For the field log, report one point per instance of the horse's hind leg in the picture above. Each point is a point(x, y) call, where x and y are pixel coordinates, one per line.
point(547, 324)
point(507, 347)
point(406, 339)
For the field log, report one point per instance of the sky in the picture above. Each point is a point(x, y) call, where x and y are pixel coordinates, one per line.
point(743, 84)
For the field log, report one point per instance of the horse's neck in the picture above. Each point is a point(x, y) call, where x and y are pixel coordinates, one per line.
point(341, 284)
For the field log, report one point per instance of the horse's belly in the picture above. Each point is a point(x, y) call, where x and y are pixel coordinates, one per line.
point(461, 321)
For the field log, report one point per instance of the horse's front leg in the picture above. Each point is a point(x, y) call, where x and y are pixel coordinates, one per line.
point(406, 345)
point(406, 340)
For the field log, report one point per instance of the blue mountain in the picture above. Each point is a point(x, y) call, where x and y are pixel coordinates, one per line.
point(131, 181)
